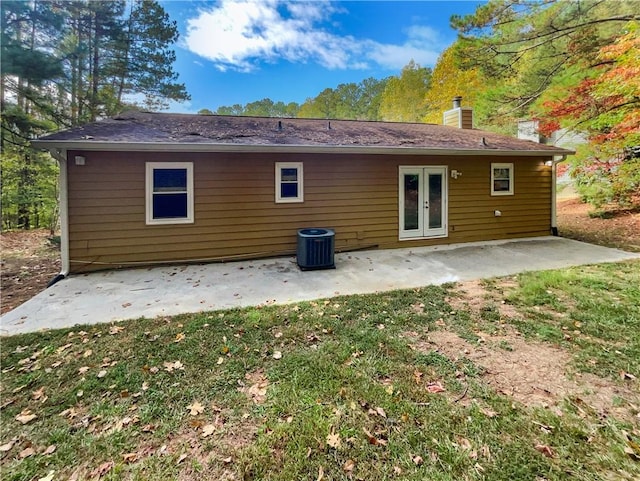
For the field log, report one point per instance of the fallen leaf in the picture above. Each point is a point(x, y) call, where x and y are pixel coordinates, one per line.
point(627, 376)
point(63, 348)
point(25, 453)
point(195, 408)
point(101, 470)
point(435, 387)
point(333, 440)
point(148, 428)
point(181, 458)
point(488, 412)
point(130, 457)
point(348, 465)
point(320, 474)
point(417, 460)
point(546, 450)
point(180, 337)
point(277, 355)
point(83, 369)
point(464, 443)
point(69, 413)
point(118, 329)
point(220, 360)
point(277, 335)
point(374, 440)
point(18, 389)
point(208, 430)
point(48, 477)
point(50, 450)
point(397, 470)
point(173, 366)
point(381, 412)
point(87, 353)
point(228, 460)
point(7, 446)
point(417, 375)
point(38, 394)
point(102, 374)
point(26, 416)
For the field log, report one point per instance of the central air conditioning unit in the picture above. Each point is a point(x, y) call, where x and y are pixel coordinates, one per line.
point(316, 249)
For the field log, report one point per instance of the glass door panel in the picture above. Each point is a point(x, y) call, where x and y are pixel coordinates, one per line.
point(423, 202)
point(435, 201)
point(411, 205)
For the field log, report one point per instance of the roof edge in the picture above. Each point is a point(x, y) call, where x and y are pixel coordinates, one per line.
point(293, 148)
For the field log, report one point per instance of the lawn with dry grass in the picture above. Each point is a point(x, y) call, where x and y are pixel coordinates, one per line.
point(532, 377)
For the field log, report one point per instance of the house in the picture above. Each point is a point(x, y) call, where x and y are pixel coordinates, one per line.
point(153, 188)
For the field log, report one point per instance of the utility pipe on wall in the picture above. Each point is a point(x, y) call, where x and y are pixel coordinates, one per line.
point(554, 179)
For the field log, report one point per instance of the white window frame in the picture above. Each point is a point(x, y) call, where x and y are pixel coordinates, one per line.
point(150, 167)
point(511, 178)
point(279, 182)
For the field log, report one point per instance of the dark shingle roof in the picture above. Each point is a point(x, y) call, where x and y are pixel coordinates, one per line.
point(185, 129)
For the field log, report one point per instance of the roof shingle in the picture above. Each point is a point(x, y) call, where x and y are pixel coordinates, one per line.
point(188, 129)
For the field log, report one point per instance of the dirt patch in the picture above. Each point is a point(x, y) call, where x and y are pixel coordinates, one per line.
point(614, 227)
point(29, 261)
point(533, 373)
point(473, 296)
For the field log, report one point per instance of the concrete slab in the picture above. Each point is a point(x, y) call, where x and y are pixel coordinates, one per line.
point(127, 294)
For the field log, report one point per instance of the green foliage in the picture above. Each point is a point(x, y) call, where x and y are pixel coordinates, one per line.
point(29, 189)
point(569, 64)
point(403, 99)
point(65, 63)
point(448, 81)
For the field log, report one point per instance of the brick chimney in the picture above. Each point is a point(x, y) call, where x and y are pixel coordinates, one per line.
point(458, 116)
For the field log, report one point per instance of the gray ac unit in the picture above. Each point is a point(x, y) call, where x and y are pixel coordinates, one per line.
point(316, 249)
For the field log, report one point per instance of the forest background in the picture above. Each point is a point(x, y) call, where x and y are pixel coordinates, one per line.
point(571, 65)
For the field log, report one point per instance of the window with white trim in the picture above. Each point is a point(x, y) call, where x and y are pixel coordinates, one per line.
point(289, 182)
point(169, 192)
point(501, 179)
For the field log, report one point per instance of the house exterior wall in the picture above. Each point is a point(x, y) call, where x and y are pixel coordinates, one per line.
point(236, 215)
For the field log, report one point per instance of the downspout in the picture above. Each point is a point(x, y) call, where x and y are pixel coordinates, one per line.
point(61, 156)
point(554, 171)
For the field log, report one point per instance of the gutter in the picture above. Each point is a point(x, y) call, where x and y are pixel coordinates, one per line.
point(554, 180)
point(277, 148)
point(61, 156)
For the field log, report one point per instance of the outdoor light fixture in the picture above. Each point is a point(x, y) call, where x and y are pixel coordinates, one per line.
point(455, 174)
point(79, 159)
point(549, 163)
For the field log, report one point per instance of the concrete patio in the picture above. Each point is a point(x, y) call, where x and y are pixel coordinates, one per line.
point(110, 296)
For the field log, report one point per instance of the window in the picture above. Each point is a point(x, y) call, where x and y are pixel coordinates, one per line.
point(501, 179)
point(289, 184)
point(169, 192)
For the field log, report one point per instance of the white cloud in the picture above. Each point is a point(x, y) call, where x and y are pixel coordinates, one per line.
point(240, 34)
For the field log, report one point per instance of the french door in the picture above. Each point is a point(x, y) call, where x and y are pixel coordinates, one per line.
point(423, 202)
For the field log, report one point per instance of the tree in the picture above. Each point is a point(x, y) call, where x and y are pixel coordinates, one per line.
point(521, 46)
point(27, 67)
point(602, 100)
point(148, 58)
point(448, 81)
point(68, 62)
point(403, 99)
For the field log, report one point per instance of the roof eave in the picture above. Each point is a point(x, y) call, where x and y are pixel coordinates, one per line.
point(277, 148)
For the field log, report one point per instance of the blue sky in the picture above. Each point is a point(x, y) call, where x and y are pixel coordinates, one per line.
point(235, 52)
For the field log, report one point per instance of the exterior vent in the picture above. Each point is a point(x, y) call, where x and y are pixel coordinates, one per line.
point(316, 249)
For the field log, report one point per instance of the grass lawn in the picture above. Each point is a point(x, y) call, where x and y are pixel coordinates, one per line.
point(531, 377)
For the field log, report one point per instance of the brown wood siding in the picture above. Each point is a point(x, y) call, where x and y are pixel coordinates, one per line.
point(236, 214)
